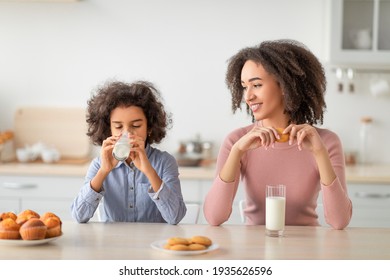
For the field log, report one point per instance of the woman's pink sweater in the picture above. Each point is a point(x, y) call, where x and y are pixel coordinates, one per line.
point(282, 164)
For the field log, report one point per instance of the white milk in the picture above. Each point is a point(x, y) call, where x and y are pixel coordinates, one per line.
point(122, 148)
point(121, 151)
point(275, 208)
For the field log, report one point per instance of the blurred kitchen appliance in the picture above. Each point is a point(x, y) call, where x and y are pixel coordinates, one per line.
point(194, 152)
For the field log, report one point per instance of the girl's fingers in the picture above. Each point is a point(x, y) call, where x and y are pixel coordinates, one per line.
point(109, 141)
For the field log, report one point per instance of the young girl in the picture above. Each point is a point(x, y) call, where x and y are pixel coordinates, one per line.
point(283, 85)
point(144, 187)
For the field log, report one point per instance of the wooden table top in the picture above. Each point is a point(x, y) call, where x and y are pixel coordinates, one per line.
point(117, 241)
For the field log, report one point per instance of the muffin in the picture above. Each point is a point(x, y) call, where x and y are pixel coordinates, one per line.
point(46, 215)
point(6, 215)
point(26, 215)
point(9, 229)
point(53, 225)
point(33, 229)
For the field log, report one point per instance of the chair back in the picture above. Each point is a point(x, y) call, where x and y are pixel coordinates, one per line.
point(242, 206)
point(192, 215)
point(98, 216)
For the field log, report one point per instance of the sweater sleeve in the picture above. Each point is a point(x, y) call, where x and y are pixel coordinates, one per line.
point(219, 200)
point(337, 205)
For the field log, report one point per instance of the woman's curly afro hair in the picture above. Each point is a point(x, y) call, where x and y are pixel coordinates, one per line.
point(119, 94)
point(298, 72)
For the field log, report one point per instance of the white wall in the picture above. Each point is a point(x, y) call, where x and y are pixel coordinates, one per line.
point(55, 54)
point(345, 111)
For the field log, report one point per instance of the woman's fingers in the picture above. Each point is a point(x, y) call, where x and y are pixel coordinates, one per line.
point(302, 134)
point(267, 135)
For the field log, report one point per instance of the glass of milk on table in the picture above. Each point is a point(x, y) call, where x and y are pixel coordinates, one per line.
point(275, 210)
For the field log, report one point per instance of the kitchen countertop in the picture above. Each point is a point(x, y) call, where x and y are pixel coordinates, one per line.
point(98, 241)
point(376, 173)
point(43, 169)
point(61, 169)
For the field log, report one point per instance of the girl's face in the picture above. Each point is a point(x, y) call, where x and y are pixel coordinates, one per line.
point(129, 119)
point(263, 94)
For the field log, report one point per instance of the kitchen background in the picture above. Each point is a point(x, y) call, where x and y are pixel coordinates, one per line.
point(56, 53)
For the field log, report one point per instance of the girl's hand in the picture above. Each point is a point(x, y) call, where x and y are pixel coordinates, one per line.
point(138, 154)
point(108, 162)
point(257, 137)
point(306, 137)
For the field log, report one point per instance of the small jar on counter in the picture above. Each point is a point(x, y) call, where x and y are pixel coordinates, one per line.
point(7, 149)
point(365, 140)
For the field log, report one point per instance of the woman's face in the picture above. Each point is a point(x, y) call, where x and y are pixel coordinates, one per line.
point(128, 119)
point(262, 93)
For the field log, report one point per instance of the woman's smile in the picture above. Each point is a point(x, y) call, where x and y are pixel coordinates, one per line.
point(255, 107)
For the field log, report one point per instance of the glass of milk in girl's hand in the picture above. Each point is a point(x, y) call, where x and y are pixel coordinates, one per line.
point(275, 210)
point(122, 147)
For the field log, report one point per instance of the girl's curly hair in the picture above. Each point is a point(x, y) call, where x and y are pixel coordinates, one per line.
point(298, 72)
point(116, 94)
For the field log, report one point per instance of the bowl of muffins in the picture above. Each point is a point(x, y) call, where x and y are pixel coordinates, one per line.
point(28, 227)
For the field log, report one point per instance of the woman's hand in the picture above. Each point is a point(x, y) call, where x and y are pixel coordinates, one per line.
point(306, 137)
point(257, 137)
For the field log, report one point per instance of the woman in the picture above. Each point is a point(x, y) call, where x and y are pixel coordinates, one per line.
point(144, 187)
point(283, 85)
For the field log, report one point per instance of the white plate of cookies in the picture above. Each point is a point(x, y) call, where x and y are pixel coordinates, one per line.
point(182, 246)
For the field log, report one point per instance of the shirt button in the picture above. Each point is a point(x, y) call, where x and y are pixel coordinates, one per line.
point(131, 188)
point(131, 206)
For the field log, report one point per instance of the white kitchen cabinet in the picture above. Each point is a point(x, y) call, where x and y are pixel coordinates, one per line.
point(9, 204)
point(359, 33)
point(39, 193)
point(371, 205)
